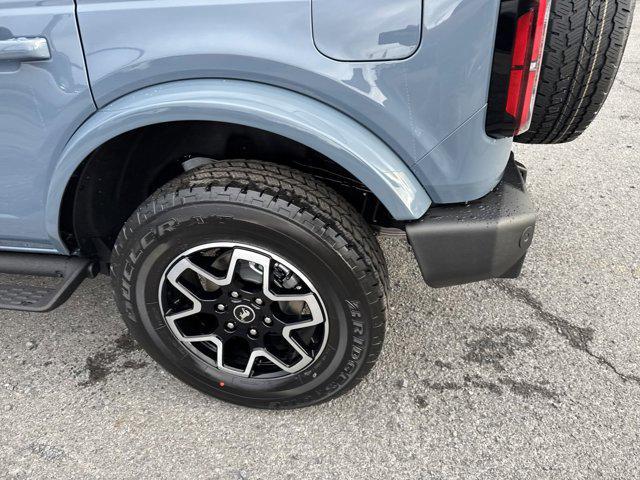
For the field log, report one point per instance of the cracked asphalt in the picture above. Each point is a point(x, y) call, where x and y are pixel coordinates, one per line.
point(535, 378)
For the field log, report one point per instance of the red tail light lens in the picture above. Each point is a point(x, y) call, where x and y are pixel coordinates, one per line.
point(520, 39)
point(525, 64)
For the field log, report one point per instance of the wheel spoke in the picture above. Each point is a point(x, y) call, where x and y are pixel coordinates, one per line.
point(286, 333)
point(172, 276)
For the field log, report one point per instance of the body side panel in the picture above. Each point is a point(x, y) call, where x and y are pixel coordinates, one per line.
point(41, 104)
point(449, 176)
point(412, 104)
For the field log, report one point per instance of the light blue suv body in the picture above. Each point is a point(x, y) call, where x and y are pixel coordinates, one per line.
point(228, 163)
point(393, 92)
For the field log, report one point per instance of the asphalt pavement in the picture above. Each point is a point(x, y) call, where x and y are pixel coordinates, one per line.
point(534, 378)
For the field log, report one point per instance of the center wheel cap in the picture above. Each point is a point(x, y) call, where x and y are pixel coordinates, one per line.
point(244, 314)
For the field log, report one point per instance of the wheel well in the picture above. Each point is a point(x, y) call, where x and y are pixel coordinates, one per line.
point(119, 175)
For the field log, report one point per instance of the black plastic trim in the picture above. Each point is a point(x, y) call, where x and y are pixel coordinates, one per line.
point(489, 238)
point(71, 270)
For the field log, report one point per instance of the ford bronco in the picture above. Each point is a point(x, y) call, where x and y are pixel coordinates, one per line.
point(230, 164)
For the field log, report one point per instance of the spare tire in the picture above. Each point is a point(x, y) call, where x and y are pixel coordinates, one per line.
point(585, 43)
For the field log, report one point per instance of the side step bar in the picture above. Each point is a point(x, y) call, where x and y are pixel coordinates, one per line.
point(32, 298)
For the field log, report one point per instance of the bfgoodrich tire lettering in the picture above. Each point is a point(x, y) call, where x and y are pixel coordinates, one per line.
point(277, 210)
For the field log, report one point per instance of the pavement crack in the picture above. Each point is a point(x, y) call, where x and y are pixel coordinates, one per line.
point(630, 87)
point(607, 363)
point(579, 338)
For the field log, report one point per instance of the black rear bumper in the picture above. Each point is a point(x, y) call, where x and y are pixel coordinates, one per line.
point(488, 238)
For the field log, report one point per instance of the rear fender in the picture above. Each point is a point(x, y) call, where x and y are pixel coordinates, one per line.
point(269, 108)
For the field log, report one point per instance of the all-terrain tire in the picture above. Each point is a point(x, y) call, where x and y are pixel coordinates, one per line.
point(585, 43)
point(276, 209)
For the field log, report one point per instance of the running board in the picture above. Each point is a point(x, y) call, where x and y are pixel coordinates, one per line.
point(35, 298)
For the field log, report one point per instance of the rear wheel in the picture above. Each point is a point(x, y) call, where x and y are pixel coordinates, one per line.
point(585, 43)
point(253, 283)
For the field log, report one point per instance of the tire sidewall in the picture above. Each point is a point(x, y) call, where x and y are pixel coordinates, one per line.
point(151, 246)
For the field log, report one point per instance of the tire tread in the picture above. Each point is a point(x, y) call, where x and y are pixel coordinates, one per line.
point(585, 44)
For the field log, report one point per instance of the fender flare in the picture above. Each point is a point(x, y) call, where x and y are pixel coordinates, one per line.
point(274, 109)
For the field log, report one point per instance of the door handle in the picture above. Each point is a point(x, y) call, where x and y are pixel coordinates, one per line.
point(24, 49)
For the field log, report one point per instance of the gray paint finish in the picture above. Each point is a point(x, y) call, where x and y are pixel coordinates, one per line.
point(412, 105)
point(445, 172)
point(273, 109)
point(365, 30)
point(41, 104)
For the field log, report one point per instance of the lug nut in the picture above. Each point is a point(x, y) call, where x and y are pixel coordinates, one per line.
point(235, 294)
point(231, 325)
point(259, 301)
point(221, 307)
point(268, 320)
point(253, 332)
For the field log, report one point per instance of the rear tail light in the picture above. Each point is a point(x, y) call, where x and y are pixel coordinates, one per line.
point(516, 68)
